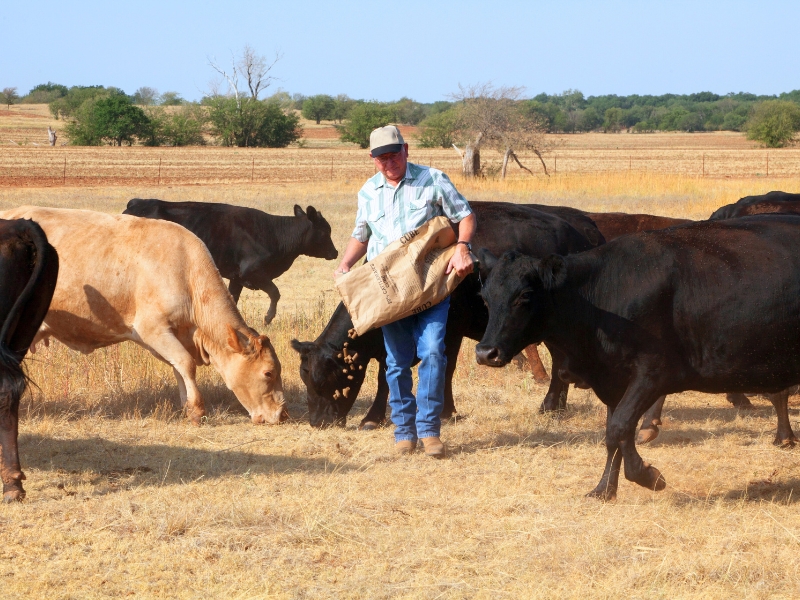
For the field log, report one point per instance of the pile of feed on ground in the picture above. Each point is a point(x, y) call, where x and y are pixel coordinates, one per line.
point(125, 498)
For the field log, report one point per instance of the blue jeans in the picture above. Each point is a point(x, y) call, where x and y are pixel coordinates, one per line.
point(418, 335)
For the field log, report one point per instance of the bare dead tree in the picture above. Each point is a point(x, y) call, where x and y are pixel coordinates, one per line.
point(231, 76)
point(489, 116)
point(256, 71)
point(51, 136)
point(252, 68)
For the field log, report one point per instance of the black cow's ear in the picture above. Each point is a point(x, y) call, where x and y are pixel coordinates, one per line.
point(487, 261)
point(302, 348)
point(553, 272)
point(311, 212)
point(298, 212)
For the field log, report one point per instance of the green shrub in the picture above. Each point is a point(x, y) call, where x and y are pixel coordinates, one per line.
point(774, 123)
point(439, 130)
point(185, 127)
point(252, 123)
point(111, 119)
point(364, 117)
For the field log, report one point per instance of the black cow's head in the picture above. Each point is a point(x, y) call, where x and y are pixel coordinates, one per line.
point(317, 242)
point(516, 291)
point(333, 378)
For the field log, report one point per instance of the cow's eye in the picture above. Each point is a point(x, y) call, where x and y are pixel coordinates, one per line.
point(525, 297)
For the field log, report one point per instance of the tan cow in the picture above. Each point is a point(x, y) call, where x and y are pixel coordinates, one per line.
point(154, 283)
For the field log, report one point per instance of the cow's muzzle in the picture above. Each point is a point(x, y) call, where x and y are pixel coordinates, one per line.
point(489, 356)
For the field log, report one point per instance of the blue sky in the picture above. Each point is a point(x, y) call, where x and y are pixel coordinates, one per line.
point(385, 50)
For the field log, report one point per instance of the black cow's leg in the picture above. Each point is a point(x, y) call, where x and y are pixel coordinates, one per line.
point(376, 416)
point(621, 431)
point(607, 488)
point(784, 436)
point(11, 470)
point(274, 295)
point(651, 422)
point(451, 350)
point(235, 288)
point(556, 397)
point(739, 400)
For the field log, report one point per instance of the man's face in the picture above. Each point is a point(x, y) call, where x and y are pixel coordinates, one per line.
point(393, 164)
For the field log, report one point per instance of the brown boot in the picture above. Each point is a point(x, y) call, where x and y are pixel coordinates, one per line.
point(405, 447)
point(433, 447)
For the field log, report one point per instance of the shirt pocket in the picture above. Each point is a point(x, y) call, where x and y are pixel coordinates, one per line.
point(418, 204)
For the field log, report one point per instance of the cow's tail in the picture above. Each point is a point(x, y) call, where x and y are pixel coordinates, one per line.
point(14, 379)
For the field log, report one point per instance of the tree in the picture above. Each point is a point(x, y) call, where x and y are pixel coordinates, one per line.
point(44, 93)
point(252, 123)
point(589, 120)
point(252, 68)
point(774, 123)
point(171, 99)
point(343, 104)
point(408, 111)
point(110, 119)
point(9, 96)
point(613, 120)
point(439, 130)
point(67, 105)
point(184, 127)
point(493, 116)
point(145, 96)
point(364, 117)
point(316, 108)
point(240, 118)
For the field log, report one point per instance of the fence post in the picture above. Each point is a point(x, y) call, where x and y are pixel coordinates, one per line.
point(64, 180)
point(253, 170)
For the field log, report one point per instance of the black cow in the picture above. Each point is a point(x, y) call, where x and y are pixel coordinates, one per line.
point(770, 202)
point(28, 273)
point(712, 306)
point(249, 247)
point(333, 374)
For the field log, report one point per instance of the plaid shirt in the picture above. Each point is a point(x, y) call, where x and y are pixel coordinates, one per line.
point(386, 213)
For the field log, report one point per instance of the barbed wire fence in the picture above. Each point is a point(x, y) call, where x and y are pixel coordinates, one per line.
point(68, 167)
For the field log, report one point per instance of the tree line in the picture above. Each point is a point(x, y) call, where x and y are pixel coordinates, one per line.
point(480, 115)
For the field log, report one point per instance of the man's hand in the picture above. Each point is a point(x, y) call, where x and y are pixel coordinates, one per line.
point(461, 261)
point(340, 270)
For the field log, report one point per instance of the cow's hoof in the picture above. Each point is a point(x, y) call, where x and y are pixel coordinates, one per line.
point(541, 378)
point(787, 443)
point(647, 434)
point(15, 495)
point(739, 401)
point(368, 426)
point(652, 479)
point(603, 493)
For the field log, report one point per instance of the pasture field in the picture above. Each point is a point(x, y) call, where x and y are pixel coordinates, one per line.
point(126, 499)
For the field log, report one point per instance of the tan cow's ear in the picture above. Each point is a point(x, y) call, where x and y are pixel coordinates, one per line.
point(233, 340)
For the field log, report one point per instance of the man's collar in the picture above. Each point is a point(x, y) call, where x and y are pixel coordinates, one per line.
point(381, 180)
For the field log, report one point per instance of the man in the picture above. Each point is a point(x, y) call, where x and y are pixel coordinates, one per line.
point(398, 199)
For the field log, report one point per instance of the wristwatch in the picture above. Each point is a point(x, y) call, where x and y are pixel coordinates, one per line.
point(467, 244)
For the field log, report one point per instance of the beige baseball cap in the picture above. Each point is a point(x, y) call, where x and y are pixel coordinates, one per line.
point(384, 140)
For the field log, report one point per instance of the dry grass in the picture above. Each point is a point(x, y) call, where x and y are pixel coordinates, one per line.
point(125, 498)
point(26, 160)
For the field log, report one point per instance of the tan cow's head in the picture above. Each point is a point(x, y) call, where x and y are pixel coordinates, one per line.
point(252, 371)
